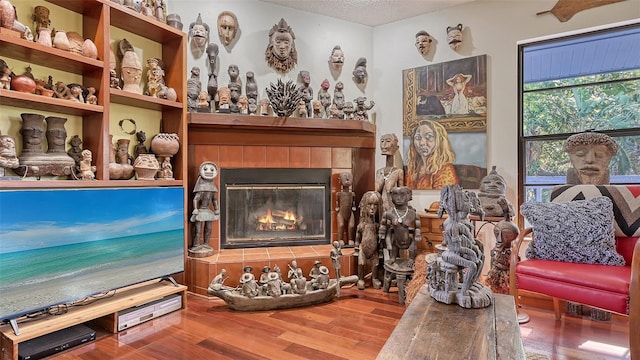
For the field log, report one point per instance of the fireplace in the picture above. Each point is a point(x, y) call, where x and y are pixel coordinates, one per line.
point(274, 207)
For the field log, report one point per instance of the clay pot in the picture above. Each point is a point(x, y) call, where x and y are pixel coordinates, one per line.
point(23, 83)
point(56, 134)
point(146, 166)
point(75, 42)
point(7, 14)
point(89, 49)
point(174, 21)
point(165, 144)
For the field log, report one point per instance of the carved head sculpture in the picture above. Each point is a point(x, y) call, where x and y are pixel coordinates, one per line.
point(423, 42)
point(590, 154)
point(388, 144)
point(325, 85)
point(199, 33)
point(360, 71)
point(305, 77)
point(212, 52)
point(227, 27)
point(371, 205)
point(505, 232)
point(233, 72)
point(454, 36)
point(281, 54)
point(8, 157)
point(336, 60)
point(345, 179)
point(493, 183)
point(224, 96)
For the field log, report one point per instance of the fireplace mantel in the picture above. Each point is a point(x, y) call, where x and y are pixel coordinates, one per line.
point(226, 128)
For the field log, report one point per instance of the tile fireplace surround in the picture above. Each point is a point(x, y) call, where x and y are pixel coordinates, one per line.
point(258, 142)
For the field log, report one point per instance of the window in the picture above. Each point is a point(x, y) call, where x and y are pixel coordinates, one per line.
point(567, 85)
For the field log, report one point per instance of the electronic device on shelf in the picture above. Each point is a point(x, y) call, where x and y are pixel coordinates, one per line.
point(55, 342)
point(151, 310)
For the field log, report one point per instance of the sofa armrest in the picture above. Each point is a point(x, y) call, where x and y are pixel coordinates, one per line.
point(634, 304)
point(513, 262)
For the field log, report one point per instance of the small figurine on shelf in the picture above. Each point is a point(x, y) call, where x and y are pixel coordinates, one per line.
point(348, 110)
point(224, 100)
point(338, 98)
point(203, 101)
point(76, 93)
point(302, 109)
point(264, 107)
point(75, 152)
point(91, 96)
point(317, 109)
point(361, 108)
point(324, 96)
point(114, 82)
point(155, 77)
point(193, 89)
point(235, 90)
point(140, 148)
point(202, 217)
point(130, 68)
point(243, 104)
point(307, 90)
point(5, 75)
point(8, 156)
point(86, 169)
point(212, 66)
point(41, 19)
point(251, 87)
point(61, 91)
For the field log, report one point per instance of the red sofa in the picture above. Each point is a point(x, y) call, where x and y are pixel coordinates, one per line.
point(611, 288)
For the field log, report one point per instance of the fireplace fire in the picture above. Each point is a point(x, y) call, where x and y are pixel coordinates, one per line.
point(275, 207)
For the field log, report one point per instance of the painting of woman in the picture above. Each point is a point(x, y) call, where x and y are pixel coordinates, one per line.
point(430, 159)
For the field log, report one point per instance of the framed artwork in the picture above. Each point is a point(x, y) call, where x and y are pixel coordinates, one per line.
point(444, 126)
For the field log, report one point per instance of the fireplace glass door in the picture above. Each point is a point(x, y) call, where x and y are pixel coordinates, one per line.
point(282, 214)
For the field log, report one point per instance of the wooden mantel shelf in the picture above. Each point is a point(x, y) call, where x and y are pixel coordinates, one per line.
point(278, 124)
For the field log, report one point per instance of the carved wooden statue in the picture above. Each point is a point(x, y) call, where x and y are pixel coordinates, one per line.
point(367, 238)
point(389, 176)
point(492, 195)
point(345, 206)
point(205, 197)
point(498, 278)
point(464, 254)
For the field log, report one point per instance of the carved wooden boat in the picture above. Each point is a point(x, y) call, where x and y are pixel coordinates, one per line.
point(236, 301)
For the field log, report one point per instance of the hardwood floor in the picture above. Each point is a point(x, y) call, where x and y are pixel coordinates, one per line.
point(355, 326)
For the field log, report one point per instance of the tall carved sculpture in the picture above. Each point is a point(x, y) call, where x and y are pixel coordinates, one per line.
point(390, 176)
point(345, 206)
point(464, 254)
point(367, 238)
point(205, 198)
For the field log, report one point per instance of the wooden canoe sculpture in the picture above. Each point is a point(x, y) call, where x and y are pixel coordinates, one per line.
point(565, 9)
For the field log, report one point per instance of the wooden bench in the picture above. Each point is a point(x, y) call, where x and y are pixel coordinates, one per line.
point(433, 330)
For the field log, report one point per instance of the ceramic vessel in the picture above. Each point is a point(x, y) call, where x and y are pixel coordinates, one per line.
point(146, 167)
point(23, 83)
point(89, 49)
point(7, 14)
point(165, 144)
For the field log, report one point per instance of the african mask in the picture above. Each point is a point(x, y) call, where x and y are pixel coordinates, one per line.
point(227, 27)
point(281, 54)
point(454, 36)
point(423, 42)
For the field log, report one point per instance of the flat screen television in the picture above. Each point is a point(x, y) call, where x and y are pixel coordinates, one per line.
point(59, 246)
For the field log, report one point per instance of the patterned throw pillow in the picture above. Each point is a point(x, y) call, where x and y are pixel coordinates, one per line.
point(626, 203)
point(578, 231)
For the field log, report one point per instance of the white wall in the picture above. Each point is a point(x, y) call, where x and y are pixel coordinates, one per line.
point(316, 35)
point(490, 27)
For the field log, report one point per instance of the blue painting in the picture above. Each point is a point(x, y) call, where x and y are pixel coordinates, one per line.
point(63, 245)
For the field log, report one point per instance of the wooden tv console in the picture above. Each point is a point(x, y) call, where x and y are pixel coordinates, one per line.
point(104, 311)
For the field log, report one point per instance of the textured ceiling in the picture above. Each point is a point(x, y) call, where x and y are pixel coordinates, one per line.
point(369, 12)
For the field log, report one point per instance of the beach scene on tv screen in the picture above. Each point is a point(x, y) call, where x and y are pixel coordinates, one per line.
point(62, 246)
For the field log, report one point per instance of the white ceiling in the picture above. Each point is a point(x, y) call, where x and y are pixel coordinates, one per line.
point(369, 12)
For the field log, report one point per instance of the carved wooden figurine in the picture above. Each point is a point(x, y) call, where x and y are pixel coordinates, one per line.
point(345, 206)
point(367, 238)
point(205, 197)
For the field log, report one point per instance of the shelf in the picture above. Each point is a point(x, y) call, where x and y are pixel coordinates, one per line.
point(43, 103)
point(33, 53)
point(131, 21)
point(75, 184)
point(142, 101)
point(124, 299)
point(274, 123)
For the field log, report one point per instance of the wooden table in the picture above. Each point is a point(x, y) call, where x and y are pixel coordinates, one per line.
point(433, 330)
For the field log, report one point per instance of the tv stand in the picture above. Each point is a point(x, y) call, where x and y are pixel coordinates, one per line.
point(104, 312)
point(170, 279)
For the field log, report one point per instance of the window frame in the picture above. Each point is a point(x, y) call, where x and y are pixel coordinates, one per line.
point(524, 140)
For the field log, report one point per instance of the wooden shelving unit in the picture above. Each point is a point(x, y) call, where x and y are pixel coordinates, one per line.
point(98, 19)
point(105, 310)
